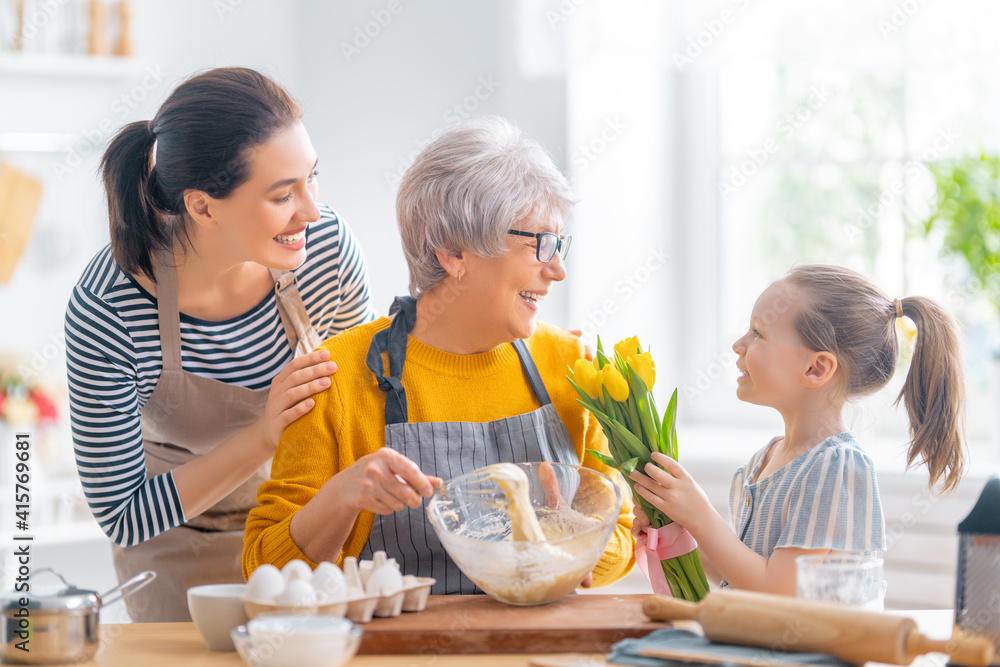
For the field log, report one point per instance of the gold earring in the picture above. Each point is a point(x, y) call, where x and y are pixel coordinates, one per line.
point(459, 276)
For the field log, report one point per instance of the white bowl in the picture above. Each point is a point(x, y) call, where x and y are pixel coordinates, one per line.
point(297, 641)
point(216, 609)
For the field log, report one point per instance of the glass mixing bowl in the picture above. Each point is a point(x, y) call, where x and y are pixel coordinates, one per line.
point(577, 509)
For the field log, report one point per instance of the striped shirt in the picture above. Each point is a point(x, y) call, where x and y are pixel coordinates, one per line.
point(113, 362)
point(827, 498)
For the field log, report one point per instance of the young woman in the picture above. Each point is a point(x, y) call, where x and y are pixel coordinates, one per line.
point(190, 337)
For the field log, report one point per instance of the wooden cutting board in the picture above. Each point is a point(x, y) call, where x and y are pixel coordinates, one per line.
point(479, 624)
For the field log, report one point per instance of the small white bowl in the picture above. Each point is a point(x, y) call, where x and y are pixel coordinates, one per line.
point(297, 641)
point(216, 609)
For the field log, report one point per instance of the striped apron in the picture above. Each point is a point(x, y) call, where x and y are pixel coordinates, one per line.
point(448, 450)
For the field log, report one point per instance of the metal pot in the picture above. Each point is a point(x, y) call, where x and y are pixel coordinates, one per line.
point(59, 627)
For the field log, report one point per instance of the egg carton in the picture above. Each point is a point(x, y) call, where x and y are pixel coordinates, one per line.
point(359, 592)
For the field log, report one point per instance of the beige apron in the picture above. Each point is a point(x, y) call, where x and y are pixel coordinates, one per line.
point(186, 416)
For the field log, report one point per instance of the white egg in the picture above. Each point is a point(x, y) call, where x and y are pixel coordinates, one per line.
point(386, 580)
point(265, 584)
point(296, 569)
point(298, 593)
point(329, 582)
point(365, 569)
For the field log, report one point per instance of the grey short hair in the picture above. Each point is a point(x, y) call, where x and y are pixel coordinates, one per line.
point(467, 188)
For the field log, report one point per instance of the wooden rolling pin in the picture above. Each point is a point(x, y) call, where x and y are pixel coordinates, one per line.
point(789, 624)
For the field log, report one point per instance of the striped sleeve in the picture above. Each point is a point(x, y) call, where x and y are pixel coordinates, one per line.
point(333, 282)
point(735, 496)
point(104, 414)
point(355, 303)
point(835, 505)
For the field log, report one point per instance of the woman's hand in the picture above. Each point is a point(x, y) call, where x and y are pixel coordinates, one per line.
point(384, 482)
point(670, 489)
point(555, 500)
point(290, 393)
point(588, 352)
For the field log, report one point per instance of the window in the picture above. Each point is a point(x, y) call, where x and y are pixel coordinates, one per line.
point(760, 135)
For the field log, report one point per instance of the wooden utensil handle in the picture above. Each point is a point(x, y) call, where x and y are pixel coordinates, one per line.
point(662, 608)
point(791, 624)
point(964, 649)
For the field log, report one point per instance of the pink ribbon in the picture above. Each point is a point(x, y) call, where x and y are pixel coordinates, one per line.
point(653, 546)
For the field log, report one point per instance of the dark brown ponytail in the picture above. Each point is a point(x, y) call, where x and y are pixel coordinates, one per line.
point(934, 393)
point(202, 136)
point(137, 229)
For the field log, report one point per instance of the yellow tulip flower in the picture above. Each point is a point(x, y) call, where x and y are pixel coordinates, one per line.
point(586, 377)
point(642, 364)
point(628, 348)
point(615, 383)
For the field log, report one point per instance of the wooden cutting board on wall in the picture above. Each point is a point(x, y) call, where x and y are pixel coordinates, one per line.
point(20, 195)
point(479, 624)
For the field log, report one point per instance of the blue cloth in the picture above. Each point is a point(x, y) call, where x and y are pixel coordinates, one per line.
point(625, 652)
point(827, 498)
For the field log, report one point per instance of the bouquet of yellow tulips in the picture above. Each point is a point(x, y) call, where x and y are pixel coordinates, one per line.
point(617, 393)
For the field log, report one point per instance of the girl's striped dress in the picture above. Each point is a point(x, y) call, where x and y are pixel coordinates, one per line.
point(827, 498)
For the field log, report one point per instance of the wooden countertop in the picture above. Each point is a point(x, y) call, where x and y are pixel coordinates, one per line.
point(171, 644)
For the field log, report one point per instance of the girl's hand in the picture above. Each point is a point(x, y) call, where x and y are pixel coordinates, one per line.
point(640, 523)
point(290, 392)
point(383, 482)
point(672, 490)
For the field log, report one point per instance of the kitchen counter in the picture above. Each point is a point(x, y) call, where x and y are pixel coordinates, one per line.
point(171, 644)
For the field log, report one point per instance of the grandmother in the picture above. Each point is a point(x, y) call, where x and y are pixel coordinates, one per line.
point(472, 378)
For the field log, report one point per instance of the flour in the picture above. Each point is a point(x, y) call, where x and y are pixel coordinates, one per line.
point(514, 482)
point(544, 556)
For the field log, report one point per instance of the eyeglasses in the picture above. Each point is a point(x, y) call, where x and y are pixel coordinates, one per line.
point(547, 244)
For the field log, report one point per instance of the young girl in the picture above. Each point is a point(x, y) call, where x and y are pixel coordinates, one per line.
point(819, 337)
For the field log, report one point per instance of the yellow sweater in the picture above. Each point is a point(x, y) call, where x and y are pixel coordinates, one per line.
point(348, 422)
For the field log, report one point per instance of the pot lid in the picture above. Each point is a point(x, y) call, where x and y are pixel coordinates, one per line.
point(66, 598)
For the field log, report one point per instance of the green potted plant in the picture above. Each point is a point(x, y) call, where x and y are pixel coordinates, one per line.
point(967, 213)
point(966, 216)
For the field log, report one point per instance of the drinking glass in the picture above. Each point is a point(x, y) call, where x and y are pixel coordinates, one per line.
point(855, 580)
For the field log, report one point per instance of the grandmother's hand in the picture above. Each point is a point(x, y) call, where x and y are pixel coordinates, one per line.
point(384, 482)
point(554, 500)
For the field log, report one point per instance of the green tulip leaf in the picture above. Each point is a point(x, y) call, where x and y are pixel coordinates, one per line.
point(603, 458)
